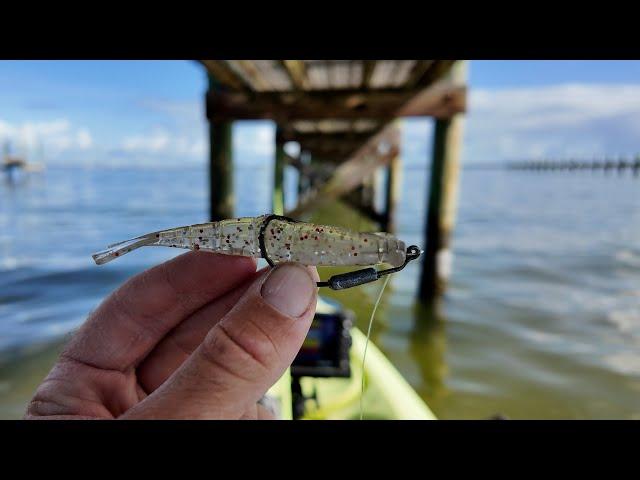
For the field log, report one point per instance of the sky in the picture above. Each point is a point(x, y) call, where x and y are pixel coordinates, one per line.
point(152, 113)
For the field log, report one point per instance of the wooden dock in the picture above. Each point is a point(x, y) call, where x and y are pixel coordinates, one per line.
point(343, 115)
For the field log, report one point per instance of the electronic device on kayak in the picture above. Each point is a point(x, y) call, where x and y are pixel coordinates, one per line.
point(325, 351)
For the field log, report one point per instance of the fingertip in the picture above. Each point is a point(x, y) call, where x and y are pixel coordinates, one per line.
point(313, 271)
point(290, 289)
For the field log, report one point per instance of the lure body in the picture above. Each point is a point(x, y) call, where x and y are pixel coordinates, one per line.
point(275, 238)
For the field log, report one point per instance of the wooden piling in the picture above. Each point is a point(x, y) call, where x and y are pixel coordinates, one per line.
point(442, 198)
point(303, 179)
point(221, 197)
point(392, 194)
point(278, 174)
point(367, 191)
point(221, 204)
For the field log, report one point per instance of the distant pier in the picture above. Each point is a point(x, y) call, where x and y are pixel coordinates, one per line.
point(621, 164)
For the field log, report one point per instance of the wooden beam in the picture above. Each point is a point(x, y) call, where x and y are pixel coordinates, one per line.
point(225, 75)
point(368, 67)
point(316, 137)
point(441, 100)
point(252, 74)
point(436, 70)
point(334, 153)
point(297, 73)
point(337, 146)
point(333, 149)
point(419, 70)
point(442, 200)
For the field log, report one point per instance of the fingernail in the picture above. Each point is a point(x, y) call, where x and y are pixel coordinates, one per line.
point(289, 289)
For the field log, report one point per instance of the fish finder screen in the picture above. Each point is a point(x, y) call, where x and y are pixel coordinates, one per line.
point(325, 350)
point(320, 345)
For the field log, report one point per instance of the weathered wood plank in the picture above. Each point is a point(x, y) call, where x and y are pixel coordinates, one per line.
point(252, 75)
point(297, 73)
point(419, 71)
point(442, 100)
point(315, 137)
point(367, 71)
point(225, 75)
point(334, 150)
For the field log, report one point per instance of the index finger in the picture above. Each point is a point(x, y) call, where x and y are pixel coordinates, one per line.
point(134, 318)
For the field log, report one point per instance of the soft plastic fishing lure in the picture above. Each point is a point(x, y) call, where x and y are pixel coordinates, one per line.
point(280, 239)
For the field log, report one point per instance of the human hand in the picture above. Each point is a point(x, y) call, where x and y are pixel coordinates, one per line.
point(202, 336)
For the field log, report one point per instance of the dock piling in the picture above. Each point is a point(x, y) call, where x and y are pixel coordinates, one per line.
point(278, 174)
point(221, 196)
point(392, 194)
point(221, 204)
point(442, 199)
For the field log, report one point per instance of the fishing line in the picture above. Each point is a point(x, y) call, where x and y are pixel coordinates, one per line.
point(366, 344)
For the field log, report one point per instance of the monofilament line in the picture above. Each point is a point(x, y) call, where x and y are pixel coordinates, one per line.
point(366, 344)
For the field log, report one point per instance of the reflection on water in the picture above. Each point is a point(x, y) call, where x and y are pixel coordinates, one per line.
point(541, 319)
point(428, 348)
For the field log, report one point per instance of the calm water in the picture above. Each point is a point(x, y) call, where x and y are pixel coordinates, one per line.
point(542, 318)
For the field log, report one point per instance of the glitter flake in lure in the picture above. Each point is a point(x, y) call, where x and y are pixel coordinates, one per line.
point(284, 240)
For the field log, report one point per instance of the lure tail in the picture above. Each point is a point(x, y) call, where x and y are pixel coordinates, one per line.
point(121, 248)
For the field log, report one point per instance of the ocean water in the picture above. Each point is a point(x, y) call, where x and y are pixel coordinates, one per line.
point(541, 318)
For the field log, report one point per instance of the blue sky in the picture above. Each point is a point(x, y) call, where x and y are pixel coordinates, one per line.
point(152, 112)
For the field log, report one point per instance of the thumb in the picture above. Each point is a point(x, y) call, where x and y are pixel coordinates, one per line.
point(244, 354)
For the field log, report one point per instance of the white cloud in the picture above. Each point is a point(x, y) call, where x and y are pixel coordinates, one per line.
point(55, 136)
point(581, 120)
point(153, 143)
point(558, 105)
point(84, 139)
point(161, 141)
point(254, 138)
point(250, 140)
point(182, 132)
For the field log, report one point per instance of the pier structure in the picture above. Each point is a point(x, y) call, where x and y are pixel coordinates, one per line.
point(344, 115)
point(607, 164)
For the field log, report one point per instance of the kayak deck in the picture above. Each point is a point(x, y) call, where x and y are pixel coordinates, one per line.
point(387, 394)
